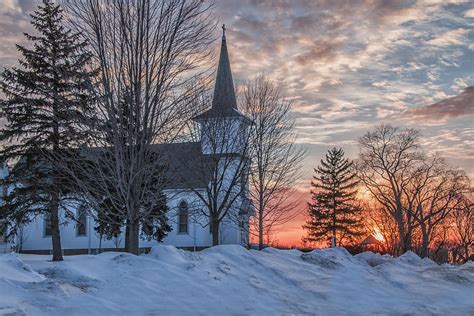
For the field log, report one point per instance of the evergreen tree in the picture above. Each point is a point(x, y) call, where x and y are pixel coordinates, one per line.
point(334, 211)
point(154, 227)
point(45, 100)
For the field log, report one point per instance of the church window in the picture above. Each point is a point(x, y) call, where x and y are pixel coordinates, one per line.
point(81, 225)
point(183, 217)
point(47, 225)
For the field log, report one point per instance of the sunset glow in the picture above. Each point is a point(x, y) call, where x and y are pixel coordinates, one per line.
point(377, 234)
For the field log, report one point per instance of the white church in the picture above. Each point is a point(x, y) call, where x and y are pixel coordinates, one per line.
point(188, 232)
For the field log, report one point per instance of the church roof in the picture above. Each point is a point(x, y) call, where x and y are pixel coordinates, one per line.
point(224, 103)
point(187, 166)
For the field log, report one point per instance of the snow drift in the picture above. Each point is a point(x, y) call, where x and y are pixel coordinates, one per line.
point(232, 280)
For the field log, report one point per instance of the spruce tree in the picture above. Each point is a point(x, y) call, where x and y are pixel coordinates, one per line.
point(46, 98)
point(334, 211)
point(154, 226)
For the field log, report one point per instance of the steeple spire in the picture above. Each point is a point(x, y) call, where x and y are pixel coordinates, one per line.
point(224, 94)
point(223, 102)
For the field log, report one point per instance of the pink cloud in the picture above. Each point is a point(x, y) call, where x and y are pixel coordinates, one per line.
point(460, 105)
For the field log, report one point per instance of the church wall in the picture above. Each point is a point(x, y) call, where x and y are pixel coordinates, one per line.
point(198, 231)
point(32, 236)
point(222, 135)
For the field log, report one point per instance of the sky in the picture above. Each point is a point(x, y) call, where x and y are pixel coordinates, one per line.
point(351, 65)
point(348, 66)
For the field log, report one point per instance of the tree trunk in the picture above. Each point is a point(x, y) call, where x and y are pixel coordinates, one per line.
point(334, 220)
point(408, 233)
point(133, 242)
point(401, 231)
point(127, 234)
point(425, 242)
point(260, 229)
point(407, 241)
point(100, 244)
point(55, 234)
point(215, 232)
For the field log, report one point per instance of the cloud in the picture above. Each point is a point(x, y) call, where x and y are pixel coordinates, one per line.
point(10, 6)
point(451, 37)
point(14, 20)
point(321, 51)
point(457, 143)
point(469, 13)
point(459, 84)
point(460, 105)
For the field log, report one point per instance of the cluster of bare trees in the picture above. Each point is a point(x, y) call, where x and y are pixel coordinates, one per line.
point(462, 228)
point(145, 60)
point(148, 53)
point(251, 155)
point(417, 198)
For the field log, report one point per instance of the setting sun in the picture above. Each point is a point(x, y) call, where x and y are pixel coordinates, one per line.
point(377, 234)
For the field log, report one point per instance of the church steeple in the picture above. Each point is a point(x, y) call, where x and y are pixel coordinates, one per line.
point(224, 104)
point(222, 126)
point(224, 94)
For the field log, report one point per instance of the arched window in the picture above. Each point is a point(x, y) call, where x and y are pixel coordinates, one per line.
point(47, 225)
point(183, 217)
point(81, 225)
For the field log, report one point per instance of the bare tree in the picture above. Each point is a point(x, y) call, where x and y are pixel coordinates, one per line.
point(222, 170)
point(438, 190)
point(147, 53)
point(276, 160)
point(385, 167)
point(463, 218)
point(417, 190)
point(222, 166)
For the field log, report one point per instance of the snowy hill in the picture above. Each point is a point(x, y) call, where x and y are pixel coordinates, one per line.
point(229, 280)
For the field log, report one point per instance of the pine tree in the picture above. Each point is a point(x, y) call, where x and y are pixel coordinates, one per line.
point(154, 226)
point(334, 211)
point(46, 97)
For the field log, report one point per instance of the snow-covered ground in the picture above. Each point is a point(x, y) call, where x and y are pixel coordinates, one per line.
point(230, 280)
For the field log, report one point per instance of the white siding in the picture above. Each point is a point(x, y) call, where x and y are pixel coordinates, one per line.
point(32, 237)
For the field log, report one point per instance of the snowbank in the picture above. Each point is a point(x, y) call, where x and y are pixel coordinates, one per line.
point(412, 258)
point(294, 252)
point(227, 280)
point(331, 258)
point(373, 259)
point(12, 268)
